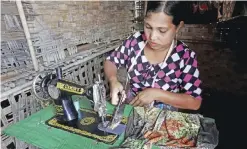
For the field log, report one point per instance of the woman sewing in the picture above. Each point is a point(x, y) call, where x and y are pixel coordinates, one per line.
point(162, 70)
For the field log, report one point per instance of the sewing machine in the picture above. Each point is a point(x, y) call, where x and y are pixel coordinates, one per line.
point(50, 86)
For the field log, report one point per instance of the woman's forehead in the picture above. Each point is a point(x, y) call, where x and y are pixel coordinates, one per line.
point(159, 19)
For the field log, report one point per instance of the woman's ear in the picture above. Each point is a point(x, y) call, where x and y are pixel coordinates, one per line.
point(181, 24)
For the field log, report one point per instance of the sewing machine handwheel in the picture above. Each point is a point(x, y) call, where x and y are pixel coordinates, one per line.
point(41, 83)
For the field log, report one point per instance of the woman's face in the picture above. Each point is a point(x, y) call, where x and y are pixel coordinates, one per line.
point(159, 30)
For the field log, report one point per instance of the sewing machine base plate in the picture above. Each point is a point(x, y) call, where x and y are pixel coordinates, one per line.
point(88, 125)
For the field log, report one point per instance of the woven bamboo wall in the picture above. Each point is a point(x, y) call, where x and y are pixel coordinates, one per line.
point(58, 26)
point(60, 32)
point(14, 50)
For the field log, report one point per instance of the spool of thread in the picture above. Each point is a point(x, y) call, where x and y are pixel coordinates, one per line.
point(77, 107)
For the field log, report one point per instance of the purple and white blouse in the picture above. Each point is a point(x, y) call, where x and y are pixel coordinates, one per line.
point(179, 73)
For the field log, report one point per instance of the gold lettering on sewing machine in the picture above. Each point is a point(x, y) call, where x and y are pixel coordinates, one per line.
point(69, 88)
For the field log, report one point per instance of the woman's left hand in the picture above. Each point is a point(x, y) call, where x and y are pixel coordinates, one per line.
point(145, 97)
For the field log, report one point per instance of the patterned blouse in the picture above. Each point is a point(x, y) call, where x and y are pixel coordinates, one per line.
point(179, 73)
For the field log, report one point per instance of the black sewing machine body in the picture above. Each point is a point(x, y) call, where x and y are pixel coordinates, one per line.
point(53, 87)
point(90, 123)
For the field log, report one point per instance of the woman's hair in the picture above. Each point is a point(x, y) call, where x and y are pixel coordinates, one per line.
point(170, 8)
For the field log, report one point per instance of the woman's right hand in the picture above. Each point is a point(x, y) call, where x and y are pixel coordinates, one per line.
point(115, 88)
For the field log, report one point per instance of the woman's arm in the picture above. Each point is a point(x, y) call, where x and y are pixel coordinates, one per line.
point(178, 100)
point(115, 86)
point(110, 70)
point(118, 58)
